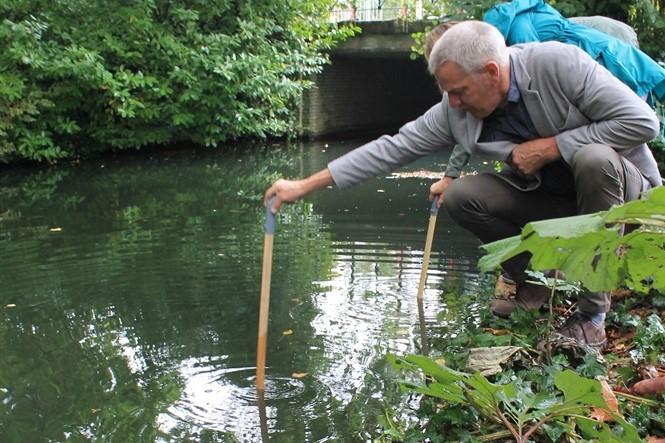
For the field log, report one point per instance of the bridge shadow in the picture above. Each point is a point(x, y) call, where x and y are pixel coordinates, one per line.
point(371, 85)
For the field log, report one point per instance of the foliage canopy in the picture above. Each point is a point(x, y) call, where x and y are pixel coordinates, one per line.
point(81, 76)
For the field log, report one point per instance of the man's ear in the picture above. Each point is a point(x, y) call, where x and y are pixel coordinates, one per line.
point(493, 69)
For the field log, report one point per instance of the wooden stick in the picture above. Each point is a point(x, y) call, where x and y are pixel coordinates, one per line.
point(263, 416)
point(428, 248)
point(265, 298)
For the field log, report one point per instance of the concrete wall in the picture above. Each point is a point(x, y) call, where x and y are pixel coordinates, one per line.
point(371, 85)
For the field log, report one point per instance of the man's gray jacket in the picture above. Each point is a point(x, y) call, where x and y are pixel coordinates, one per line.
point(567, 95)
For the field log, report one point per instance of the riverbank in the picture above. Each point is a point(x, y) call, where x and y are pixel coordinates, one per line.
point(530, 385)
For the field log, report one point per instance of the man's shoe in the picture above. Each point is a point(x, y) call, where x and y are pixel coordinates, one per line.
point(507, 278)
point(528, 296)
point(580, 328)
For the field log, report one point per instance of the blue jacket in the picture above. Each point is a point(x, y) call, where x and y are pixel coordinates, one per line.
point(523, 21)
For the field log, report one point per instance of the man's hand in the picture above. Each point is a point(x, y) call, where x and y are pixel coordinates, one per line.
point(529, 157)
point(439, 189)
point(290, 191)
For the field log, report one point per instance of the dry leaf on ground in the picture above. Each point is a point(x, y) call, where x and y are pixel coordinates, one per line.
point(603, 415)
point(621, 293)
point(652, 386)
point(497, 331)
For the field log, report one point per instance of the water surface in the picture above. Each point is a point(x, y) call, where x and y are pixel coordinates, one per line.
point(130, 289)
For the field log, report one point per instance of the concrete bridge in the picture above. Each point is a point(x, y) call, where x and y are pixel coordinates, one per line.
point(371, 85)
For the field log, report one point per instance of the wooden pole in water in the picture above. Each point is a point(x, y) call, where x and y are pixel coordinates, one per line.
point(428, 247)
point(265, 297)
point(263, 416)
point(424, 347)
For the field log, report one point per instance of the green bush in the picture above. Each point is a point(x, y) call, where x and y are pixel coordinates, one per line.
point(591, 248)
point(649, 23)
point(81, 76)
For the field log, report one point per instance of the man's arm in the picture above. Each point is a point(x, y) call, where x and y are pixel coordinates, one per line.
point(428, 133)
point(457, 161)
point(614, 115)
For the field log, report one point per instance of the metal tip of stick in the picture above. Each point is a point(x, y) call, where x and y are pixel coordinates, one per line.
point(270, 217)
point(434, 210)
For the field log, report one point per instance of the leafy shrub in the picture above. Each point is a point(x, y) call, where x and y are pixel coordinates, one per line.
point(81, 76)
point(591, 249)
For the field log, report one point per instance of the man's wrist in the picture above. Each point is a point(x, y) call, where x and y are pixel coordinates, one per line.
point(316, 181)
point(552, 149)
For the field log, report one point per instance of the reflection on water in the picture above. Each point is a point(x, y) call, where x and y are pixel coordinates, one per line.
point(130, 295)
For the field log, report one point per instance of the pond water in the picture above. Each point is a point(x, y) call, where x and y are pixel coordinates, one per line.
point(130, 292)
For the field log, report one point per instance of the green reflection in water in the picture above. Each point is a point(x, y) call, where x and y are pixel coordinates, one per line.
point(130, 287)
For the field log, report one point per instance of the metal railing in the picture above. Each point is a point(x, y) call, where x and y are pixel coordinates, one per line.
point(378, 13)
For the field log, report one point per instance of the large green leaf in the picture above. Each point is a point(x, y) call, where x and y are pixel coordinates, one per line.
point(442, 374)
point(579, 390)
point(451, 392)
point(482, 385)
point(600, 432)
point(650, 210)
point(497, 252)
point(590, 248)
point(486, 396)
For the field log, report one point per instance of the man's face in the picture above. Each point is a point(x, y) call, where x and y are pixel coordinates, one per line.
point(475, 93)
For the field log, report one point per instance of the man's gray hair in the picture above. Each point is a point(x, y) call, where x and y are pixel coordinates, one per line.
point(470, 44)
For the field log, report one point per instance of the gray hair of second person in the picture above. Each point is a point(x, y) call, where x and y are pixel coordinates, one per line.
point(469, 44)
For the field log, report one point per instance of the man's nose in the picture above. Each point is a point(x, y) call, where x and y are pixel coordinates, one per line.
point(453, 101)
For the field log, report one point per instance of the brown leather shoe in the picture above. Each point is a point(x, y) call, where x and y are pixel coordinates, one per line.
point(580, 328)
point(528, 296)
